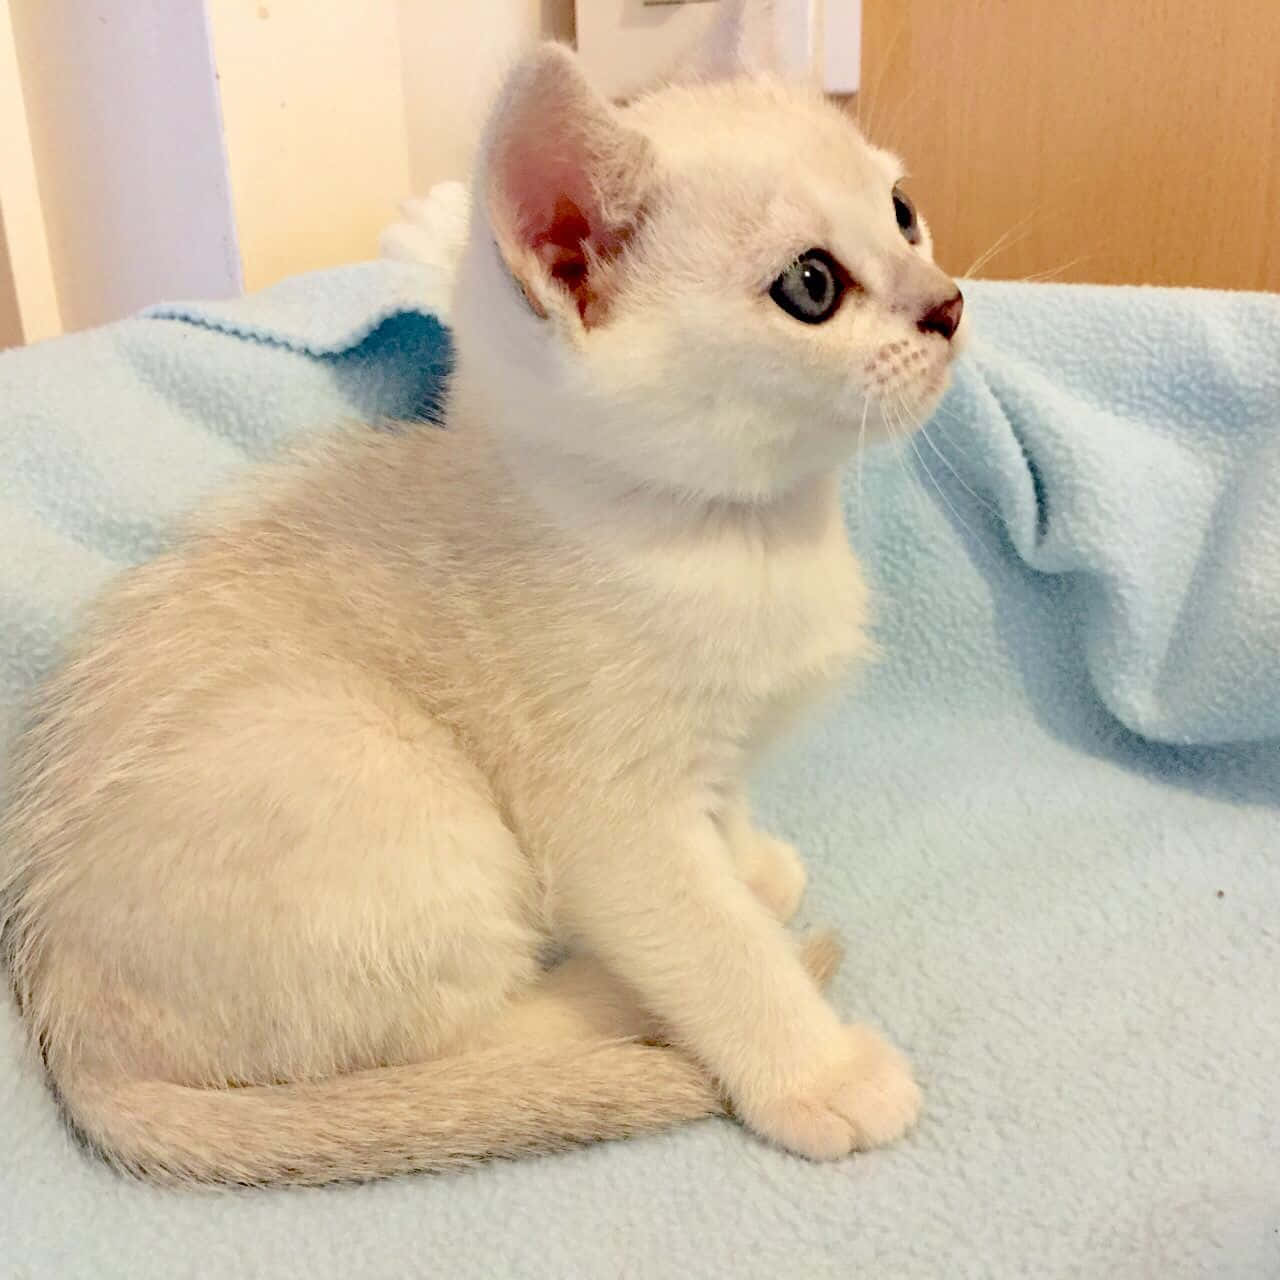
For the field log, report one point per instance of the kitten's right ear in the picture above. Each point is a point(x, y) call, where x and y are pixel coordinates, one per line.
point(564, 181)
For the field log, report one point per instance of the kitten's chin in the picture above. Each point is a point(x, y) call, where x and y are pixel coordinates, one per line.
point(932, 388)
point(906, 412)
point(936, 383)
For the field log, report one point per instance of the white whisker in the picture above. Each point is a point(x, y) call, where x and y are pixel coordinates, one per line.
point(960, 480)
point(869, 103)
point(934, 481)
point(999, 245)
point(1052, 273)
point(894, 421)
point(862, 434)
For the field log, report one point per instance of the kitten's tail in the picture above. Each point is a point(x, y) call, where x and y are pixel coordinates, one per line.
point(432, 1116)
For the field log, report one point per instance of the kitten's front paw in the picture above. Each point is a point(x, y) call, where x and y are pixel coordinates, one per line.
point(865, 1099)
point(774, 873)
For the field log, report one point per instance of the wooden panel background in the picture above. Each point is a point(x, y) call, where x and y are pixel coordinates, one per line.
point(1106, 140)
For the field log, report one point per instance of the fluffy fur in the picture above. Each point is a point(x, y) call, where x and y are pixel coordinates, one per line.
point(294, 827)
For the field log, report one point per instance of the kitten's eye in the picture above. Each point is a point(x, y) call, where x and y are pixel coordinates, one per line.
point(810, 288)
point(905, 212)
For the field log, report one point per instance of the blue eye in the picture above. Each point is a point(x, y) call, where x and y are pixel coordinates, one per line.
point(810, 289)
point(905, 212)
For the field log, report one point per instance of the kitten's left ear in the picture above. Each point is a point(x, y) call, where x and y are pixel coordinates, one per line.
point(564, 181)
point(743, 41)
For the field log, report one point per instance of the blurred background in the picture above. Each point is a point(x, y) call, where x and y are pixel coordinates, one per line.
point(157, 149)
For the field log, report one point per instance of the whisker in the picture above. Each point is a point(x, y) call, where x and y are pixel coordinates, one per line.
point(1052, 273)
point(960, 480)
point(862, 432)
point(871, 102)
point(895, 420)
point(964, 524)
point(1037, 211)
point(999, 245)
point(892, 423)
point(942, 411)
point(893, 133)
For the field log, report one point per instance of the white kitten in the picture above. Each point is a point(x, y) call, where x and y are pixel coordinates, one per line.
point(298, 818)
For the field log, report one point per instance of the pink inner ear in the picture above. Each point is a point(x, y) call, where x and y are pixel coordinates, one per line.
point(563, 174)
point(545, 182)
point(561, 246)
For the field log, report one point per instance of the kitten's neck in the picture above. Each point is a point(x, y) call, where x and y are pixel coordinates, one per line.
point(608, 510)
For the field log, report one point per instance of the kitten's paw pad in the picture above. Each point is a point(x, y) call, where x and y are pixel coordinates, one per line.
point(821, 953)
point(774, 873)
point(867, 1099)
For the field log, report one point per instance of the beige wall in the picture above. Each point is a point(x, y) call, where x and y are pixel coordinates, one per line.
point(1130, 141)
point(336, 110)
point(452, 57)
point(1136, 140)
point(11, 334)
point(129, 173)
point(28, 296)
point(314, 120)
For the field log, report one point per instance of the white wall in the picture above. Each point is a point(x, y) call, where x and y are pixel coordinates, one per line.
point(125, 138)
point(627, 43)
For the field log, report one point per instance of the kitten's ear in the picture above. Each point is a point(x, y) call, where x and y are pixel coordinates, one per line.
point(742, 41)
point(564, 181)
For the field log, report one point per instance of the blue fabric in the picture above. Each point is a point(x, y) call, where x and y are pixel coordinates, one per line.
point(1131, 440)
point(1046, 819)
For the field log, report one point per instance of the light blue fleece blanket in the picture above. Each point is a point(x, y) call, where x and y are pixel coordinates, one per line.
point(1047, 820)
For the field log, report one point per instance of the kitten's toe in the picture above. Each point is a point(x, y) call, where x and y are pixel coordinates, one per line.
point(865, 1099)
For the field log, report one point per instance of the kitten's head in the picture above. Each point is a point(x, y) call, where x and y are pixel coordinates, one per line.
point(715, 288)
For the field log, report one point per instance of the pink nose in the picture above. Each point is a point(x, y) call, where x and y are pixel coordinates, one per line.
point(943, 318)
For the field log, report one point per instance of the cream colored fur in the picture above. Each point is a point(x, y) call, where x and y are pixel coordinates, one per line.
point(299, 819)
